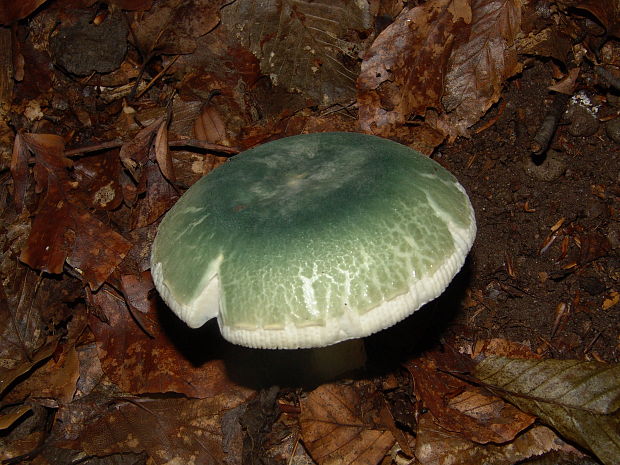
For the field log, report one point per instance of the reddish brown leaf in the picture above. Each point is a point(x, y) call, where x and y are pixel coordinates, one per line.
point(460, 407)
point(139, 364)
point(61, 231)
point(168, 430)
point(480, 63)
point(134, 153)
point(346, 424)
point(51, 384)
point(209, 126)
point(438, 446)
point(136, 289)
point(403, 71)
point(52, 234)
point(171, 27)
point(11, 11)
point(98, 179)
point(160, 196)
point(97, 249)
point(7, 377)
point(19, 170)
point(162, 154)
point(606, 11)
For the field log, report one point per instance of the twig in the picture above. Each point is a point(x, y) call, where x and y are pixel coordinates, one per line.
point(193, 143)
point(160, 74)
point(608, 76)
point(546, 131)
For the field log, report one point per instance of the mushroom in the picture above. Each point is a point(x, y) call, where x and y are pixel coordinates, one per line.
point(311, 240)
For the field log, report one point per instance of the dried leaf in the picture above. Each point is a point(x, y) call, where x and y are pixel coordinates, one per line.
point(61, 231)
point(168, 430)
point(19, 170)
point(567, 84)
point(172, 26)
point(13, 11)
point(606, 11)
point(97, 249)
point(53, 383)
point(134, 153)
point(437, 446)
point(140, 364)
point(52, 234)
point(480, 63)
point(162, 154)
point(9, 376)
point(580, 400)
point(98, 178)
point(6, 420)
point(346, 424)
point(160, 196)
point(310, 47)
point(209, 126)
point(403, 71)
point(460, 407)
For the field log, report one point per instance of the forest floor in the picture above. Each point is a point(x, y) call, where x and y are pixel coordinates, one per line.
point(96, 147)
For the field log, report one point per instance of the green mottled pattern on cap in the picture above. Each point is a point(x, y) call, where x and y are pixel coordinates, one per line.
point(310, 231)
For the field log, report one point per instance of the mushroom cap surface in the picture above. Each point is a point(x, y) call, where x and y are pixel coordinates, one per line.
point(313, 239)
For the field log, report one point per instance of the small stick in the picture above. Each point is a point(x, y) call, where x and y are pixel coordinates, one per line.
point(608, 76)
point(154, 80)
point(194, 143)
point(546, 131)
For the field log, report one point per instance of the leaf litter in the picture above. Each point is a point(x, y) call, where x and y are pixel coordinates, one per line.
point(93, 365)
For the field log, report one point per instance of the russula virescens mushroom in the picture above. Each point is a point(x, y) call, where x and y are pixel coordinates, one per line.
point(311, 240)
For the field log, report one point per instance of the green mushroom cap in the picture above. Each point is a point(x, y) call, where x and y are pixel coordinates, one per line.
point(313, 239)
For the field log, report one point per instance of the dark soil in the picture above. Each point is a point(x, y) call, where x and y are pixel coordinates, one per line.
point(547, 252)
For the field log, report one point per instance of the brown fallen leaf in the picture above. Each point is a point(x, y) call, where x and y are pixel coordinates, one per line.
point(480, 63)
point(460, 407)
point(346, 424)
point(437, 446)
point(51, 384)
point(7, 419)
point(580, 400)
point(62, 232)
point(162, 154)
point(403, 72)
point(168, 430)
point(140, 364)
point(13, 11)
point(9, 376)
point(171, 26)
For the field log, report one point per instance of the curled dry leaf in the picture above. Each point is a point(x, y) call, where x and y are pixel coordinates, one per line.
point(460, 407)
point(480, 63)
point(171, 27)
point(9, 376)
point(209, 126)
point(14, 11)
point(140, 364)
point(162, 154)
point(346, 424)
point(169, 430)
point(437, 446)
point(580, 400)
point(403, 71)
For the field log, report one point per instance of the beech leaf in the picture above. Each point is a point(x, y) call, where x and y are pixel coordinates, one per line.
point(346, 425)
point(581, 400)
point(480, 63)
point(403, 71)
point(310, 47)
